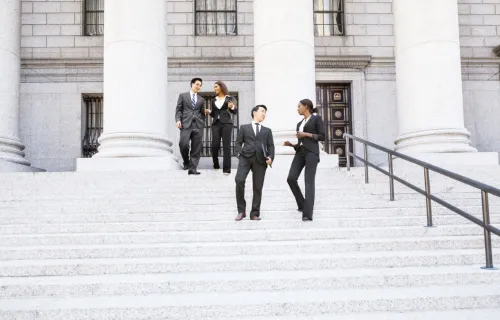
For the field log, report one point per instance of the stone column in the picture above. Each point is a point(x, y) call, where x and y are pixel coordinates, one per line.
point(11, 147)
point(284, 63)
point(135, 81)
point(429, 78)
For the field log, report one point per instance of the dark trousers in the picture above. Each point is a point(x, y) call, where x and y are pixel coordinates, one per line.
point(310, 160)
point(194, 134)
point(258, 174)
point(221, 130)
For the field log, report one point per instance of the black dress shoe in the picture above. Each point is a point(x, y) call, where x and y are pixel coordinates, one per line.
point(193, 172)
point(226, 171)
point(306, 219)
point(300, 209)
point(185, 167)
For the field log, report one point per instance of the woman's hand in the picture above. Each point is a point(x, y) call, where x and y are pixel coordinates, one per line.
point(302, 135)
point(287, 144)
point(208, 111)
point(230, 104)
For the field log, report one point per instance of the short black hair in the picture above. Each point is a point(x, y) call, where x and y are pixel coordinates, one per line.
point(256, 108)
point(196, 79)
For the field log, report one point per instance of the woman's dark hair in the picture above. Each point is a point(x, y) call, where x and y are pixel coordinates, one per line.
point(308, 103)
point(223, 87)
point(196, 79)
point(256, 108)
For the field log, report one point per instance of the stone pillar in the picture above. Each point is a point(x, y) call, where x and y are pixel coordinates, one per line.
point(11, 147)
point(284, 63)
point(135, 81)
point(429, 78)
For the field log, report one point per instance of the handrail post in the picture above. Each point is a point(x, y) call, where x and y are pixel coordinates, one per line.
point(487, 234)
point(391, 179)
point(347, 152)
point(365, 156)
point(428, 203)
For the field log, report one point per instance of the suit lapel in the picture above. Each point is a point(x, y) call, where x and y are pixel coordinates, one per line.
point(311, 119)
point(251, 131)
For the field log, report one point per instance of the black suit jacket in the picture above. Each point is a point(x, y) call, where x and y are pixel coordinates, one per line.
point(224, 114)
point(316, 127)
point(247, 144)
point(185, 113)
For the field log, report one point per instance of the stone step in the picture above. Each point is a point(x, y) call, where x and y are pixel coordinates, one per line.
point(230, 196)
point(36, 227)
point(183, 205)
point(123, 284)
point(106, 215)
point(282, 262)
point(259, 303)
point(126, 250)
point(461, 314)
point(318, 233)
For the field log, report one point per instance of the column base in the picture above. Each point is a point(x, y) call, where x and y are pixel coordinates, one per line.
point(435, 141)
point(7, 166)
point(127, 164)
point(11, 150)
point(131, 144)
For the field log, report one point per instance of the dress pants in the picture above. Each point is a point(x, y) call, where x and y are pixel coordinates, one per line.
point(309, 160)
point(194, 134)
point(221, 130)
point(258, 175)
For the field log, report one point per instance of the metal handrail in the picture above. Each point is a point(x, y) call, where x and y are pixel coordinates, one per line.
point(485, 189)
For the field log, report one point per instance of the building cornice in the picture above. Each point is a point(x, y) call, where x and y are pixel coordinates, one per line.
point(342, 62)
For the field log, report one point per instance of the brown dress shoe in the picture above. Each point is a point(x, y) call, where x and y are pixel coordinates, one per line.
point(254, 218)
point(240, 217)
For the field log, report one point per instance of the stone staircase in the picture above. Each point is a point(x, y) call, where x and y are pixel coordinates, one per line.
point(164, 245)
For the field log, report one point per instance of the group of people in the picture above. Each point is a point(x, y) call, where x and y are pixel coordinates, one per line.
point(254, 145)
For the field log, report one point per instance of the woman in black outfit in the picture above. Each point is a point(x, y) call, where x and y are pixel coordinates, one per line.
point(222, 125)
point(309, 132)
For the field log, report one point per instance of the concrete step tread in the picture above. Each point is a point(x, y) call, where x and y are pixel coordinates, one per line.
point(254, 298)
point(223, 224)
point(249, 275)
point(266, 243)
point(313, 228)
point(463, 314)
point(246, 258)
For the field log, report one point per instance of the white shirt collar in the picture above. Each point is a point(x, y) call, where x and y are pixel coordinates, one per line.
point(191, 93)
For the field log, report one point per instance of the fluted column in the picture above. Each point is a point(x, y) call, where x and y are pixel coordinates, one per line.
point(11, 147)
point(284, 63)
point(135, 80)
point(428, 77)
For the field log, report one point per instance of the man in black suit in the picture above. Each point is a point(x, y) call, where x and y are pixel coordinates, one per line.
point(255, 149)
point(190, 118)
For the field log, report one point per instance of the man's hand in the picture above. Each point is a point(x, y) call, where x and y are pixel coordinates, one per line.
point(208, 111)
point(179, 125)
point(302, 135)
point(287, 144)
point(269, 161)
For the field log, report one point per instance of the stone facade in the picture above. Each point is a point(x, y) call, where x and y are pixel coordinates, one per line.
point(59, 64)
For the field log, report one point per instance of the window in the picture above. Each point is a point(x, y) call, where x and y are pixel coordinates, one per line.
point(93, 17)
point(328, 18)
point(92, 124)
point(215, 17)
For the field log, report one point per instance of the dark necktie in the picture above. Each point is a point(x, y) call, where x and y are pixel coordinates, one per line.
point(257, 131)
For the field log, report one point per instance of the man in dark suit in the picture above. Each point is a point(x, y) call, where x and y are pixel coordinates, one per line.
point(255, 149)
point(190, 118)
